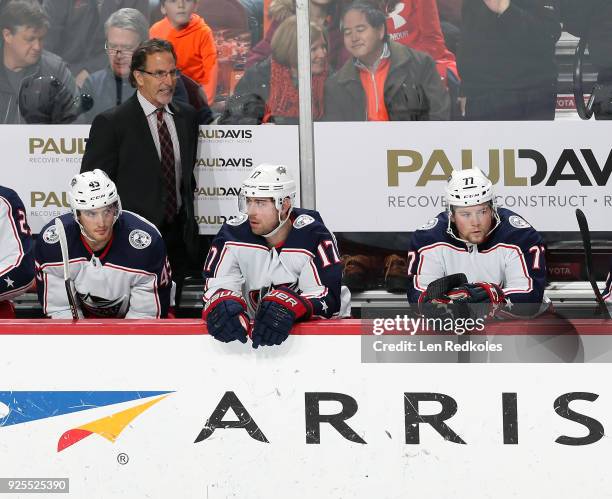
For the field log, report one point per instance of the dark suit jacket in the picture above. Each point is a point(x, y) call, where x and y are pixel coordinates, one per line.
point(120, 143)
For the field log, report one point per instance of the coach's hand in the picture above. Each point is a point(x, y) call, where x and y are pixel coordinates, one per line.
point(277, 313)
point(225, 316)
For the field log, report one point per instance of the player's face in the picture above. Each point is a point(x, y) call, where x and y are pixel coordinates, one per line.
point(473, 222)
point(24, 46)
point(158, 82)
point(360, 38)
point(263, 215)
point(98, 225)
point(179, 12)
point(120, 45)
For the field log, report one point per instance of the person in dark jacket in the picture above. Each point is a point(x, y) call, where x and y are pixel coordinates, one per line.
point(411, 86)
point(24, 26)
point(507, 59)
point(275, 79)
point(75, 34)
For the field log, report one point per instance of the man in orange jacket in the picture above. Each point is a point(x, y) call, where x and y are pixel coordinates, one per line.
point(192, 40)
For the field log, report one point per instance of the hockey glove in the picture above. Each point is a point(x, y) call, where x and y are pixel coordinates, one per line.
point(436, 303)
point(478, 292)
point(277, 313)
point(483, 298)
point(225, 316)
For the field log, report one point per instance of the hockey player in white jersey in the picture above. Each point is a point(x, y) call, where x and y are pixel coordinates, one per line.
point(117, 259)
point(275, 263)
point(501, 254)
point(16, 251)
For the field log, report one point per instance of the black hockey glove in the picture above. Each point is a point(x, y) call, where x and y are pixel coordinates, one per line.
point(482, 298)
point(478, 292)
point(225, 316)
point(277, 313)
point(436, 303)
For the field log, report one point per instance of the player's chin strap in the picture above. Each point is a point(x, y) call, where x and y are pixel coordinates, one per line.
point(280, 223)
point(85, 233)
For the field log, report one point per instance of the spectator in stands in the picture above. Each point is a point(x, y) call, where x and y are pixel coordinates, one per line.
point(385, 81)
point(75, 34)
point(24, 26)
point(192, 40)
point(416, 24)
point(323, 13)
point(275, 79)
point(109, 87)
point(507, 59)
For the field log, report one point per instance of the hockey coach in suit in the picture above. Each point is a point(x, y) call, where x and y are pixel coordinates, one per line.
point(147, 146)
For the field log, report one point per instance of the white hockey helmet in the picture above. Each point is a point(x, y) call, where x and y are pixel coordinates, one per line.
point(468, 188)
point(91, 190)
point(268, 181)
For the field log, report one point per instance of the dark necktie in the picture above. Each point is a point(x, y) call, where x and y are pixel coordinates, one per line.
point(167, 164)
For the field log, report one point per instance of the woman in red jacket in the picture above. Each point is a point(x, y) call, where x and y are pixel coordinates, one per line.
point(274, 80)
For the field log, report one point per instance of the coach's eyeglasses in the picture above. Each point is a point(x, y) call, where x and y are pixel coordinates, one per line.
point(161, 75)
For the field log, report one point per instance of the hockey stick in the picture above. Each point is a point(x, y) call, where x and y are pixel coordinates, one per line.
point(70, 291)
point(588, 260)
point(441, 286)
